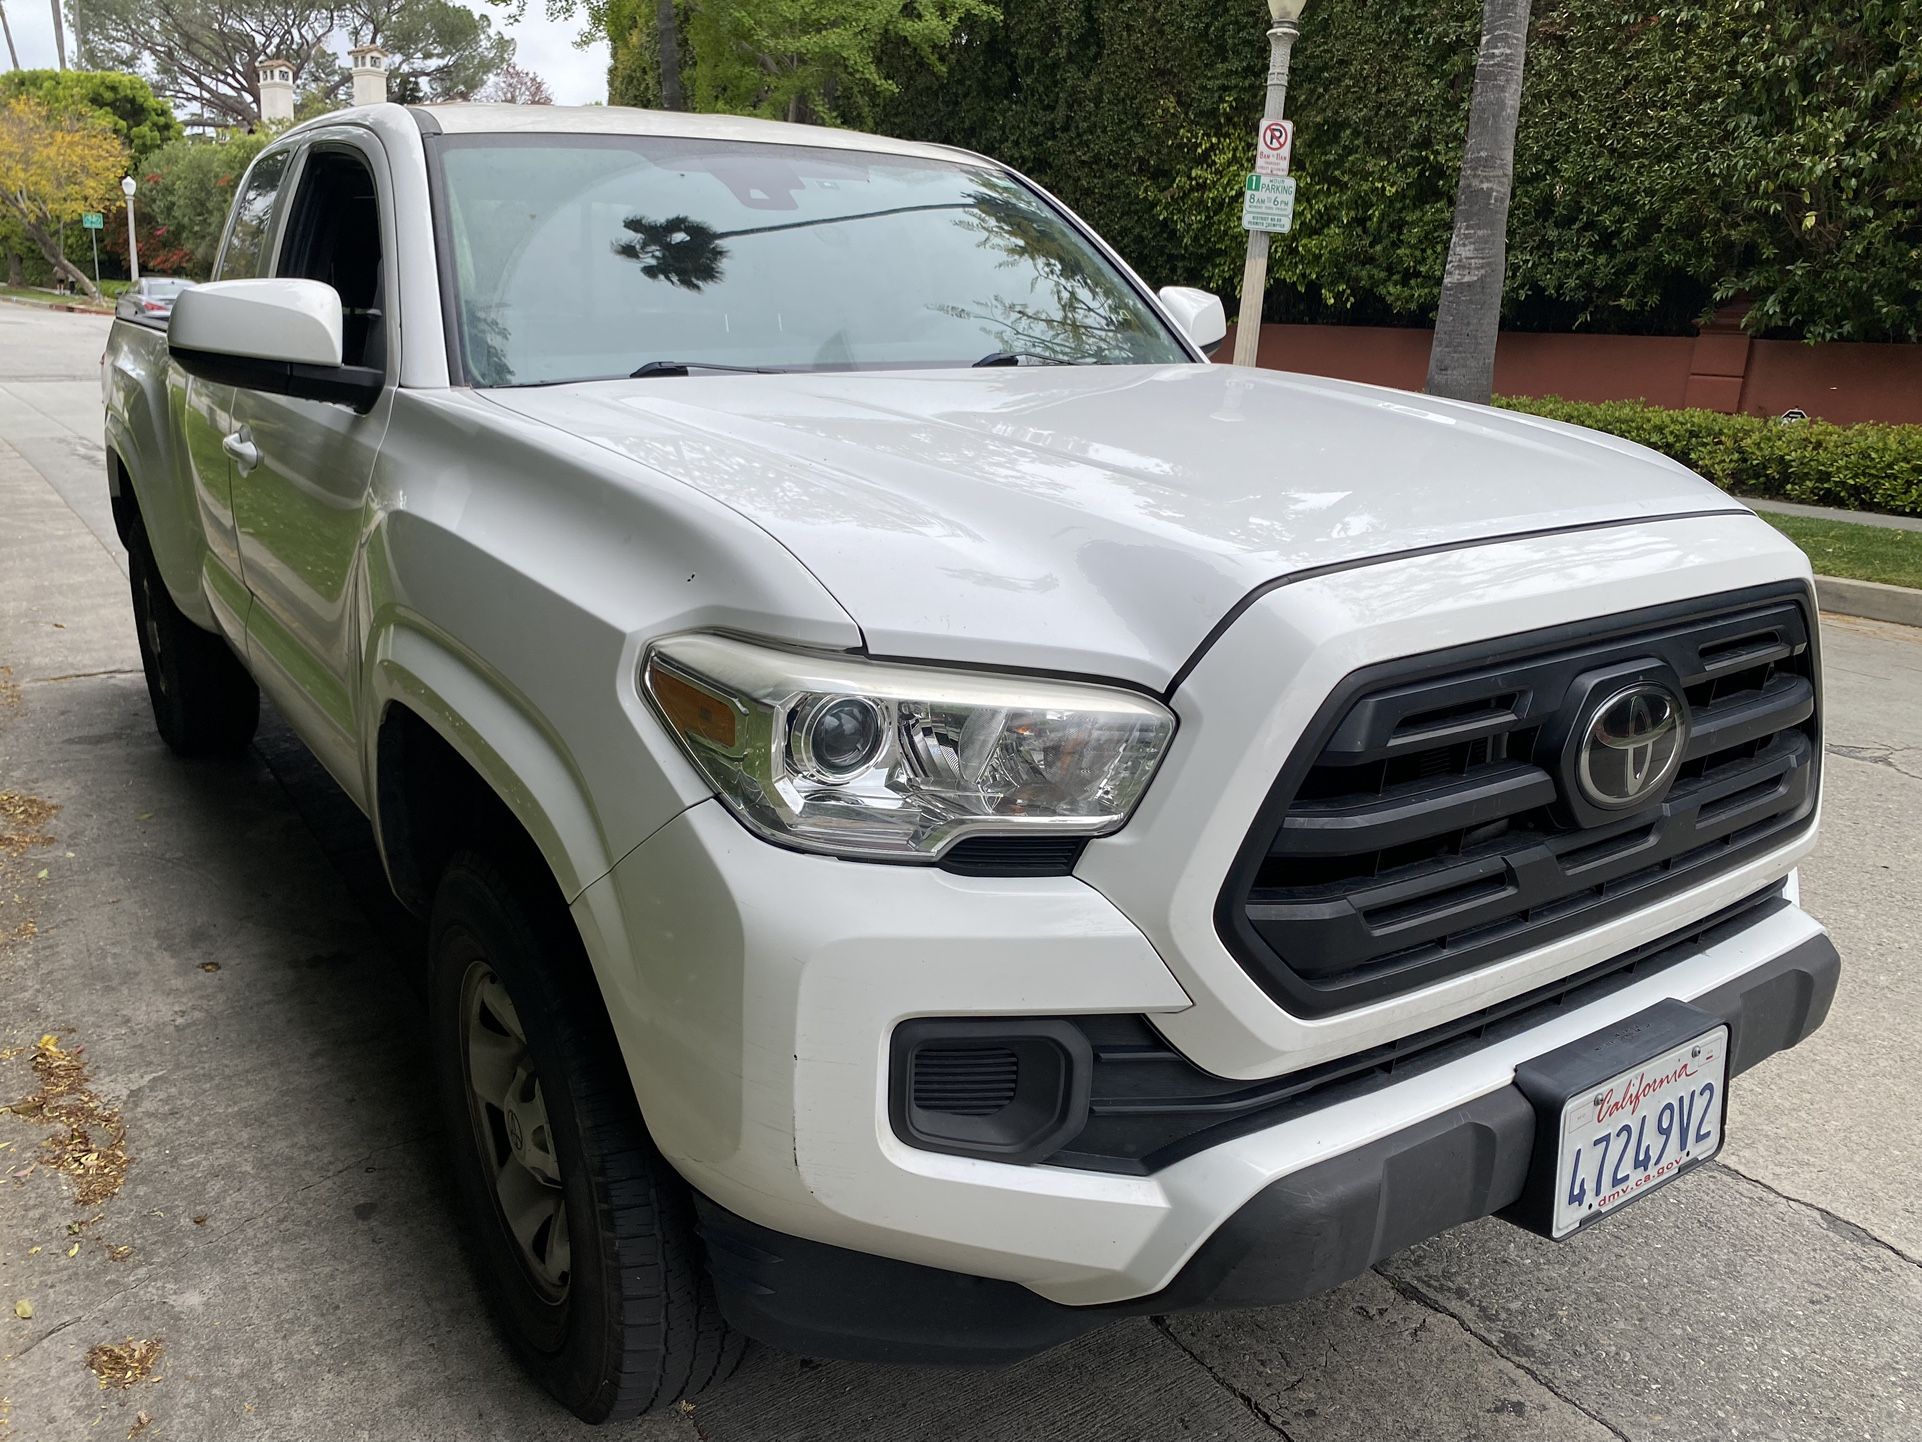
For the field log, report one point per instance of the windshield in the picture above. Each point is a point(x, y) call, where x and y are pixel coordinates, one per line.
point(585, 257)
point(163, 289)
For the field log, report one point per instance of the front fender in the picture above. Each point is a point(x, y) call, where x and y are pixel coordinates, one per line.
point(500, 735)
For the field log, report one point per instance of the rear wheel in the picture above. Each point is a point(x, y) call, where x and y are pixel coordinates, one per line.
point(204, 702)
point(584, 1235)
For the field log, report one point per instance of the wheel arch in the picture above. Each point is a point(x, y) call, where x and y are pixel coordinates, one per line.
point(120, 492)
point(452, 751)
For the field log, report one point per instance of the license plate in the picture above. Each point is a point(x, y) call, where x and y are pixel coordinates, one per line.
point(1643, 1126)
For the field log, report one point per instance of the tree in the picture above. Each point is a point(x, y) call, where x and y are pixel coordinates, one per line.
point(12, 53)
point(438, 50)
point(205, 54)
point(667, 54)
point(142, 120)
point(513, 85)
point(811, 60)
point(647, 63)
point(815, 60)
point(1461, 359)
point(54, 166)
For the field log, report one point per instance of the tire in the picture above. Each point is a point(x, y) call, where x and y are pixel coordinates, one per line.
point(204, 702)
point(619, 1319)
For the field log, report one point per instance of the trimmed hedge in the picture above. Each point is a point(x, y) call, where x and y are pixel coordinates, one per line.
point(1867, 467)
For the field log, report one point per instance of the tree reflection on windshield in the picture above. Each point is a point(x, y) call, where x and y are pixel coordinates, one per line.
point(1090, 318)
point(577, 259)
point(678, 250)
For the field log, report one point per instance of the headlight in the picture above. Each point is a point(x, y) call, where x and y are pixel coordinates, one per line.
point(863, 758)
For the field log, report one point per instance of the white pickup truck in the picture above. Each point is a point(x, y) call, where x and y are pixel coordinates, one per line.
point(947, 818)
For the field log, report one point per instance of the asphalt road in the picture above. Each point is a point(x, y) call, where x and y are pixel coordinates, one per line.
point(215, 938)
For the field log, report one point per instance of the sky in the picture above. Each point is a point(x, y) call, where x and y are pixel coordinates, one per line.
point(546, 47)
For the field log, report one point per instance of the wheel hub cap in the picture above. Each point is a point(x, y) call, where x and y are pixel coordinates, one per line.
point(513, 1135)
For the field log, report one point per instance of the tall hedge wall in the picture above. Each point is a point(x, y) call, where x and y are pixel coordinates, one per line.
point(1667, 159)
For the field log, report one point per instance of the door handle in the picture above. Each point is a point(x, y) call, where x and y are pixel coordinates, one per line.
point(240, 445)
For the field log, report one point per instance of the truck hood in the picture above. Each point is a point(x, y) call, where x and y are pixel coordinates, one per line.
point(1099, 519)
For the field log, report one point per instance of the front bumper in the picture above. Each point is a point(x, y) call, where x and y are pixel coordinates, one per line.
point(1302, 1234)
point(755, 990)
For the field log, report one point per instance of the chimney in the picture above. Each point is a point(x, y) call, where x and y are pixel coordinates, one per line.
point(276, 90)
point(370, 74)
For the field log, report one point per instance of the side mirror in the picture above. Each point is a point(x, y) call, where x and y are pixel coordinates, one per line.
point(278, 336)
point(1198, 313)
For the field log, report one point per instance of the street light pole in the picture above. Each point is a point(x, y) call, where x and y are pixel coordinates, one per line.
point(127, 188)
point(1286, 15)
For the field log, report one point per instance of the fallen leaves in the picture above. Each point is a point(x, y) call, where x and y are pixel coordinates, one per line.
point(89, 1142)
point(23, 1309)
point(22, 819)
point(124, 1364)
point(210, 966)
point(140, 1421)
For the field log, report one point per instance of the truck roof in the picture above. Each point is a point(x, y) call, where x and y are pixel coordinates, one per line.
point(472, 119)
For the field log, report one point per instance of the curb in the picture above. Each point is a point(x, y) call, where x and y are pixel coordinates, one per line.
point(56, 305)
point(1871, 600)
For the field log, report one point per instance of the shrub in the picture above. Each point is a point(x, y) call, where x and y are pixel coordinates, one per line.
point(1868, 467)
point(186, 192)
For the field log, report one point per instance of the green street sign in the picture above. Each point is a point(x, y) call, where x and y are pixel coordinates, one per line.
point(93, 220)
point(1268, 203)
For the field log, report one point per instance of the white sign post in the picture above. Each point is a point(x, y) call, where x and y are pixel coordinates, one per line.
point(1274, 147)
point(92, 221)
point(1268, 203)
point(1273, 143)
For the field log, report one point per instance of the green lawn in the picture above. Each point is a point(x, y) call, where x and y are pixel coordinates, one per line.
point(47, 297)
point(1860, 553)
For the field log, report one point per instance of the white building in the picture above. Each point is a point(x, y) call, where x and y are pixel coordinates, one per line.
point(370, 74)
point(276, 79)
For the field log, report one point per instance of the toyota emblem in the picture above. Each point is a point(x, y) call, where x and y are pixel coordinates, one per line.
point(1630, 748)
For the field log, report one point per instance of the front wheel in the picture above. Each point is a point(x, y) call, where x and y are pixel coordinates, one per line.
point(583, 1234)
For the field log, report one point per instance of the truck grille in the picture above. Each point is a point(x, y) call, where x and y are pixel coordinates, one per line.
point(1426, 825)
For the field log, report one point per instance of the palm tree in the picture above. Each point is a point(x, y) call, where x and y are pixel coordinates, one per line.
point(1461, 362)
point(12, 53)
point(59, 37)
point(667, 41)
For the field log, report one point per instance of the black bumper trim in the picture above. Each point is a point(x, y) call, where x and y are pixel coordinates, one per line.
point(1304, 1234)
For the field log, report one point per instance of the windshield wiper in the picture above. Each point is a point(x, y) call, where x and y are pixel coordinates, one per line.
point(1023, 357)
point(681, 368)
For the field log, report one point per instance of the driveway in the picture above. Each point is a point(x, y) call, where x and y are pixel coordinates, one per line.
point(268, 1197)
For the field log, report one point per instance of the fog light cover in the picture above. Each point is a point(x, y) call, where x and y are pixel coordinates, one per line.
point(996, 1087)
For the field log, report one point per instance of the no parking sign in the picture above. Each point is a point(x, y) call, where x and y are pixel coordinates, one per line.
point(1274, 146)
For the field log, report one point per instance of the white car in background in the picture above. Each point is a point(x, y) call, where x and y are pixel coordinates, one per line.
point(945, 817)
point(151, 298)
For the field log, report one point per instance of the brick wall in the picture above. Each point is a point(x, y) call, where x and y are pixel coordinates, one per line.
point(1721, 369)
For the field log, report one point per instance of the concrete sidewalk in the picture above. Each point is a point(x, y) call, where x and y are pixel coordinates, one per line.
point(214, 937)
point(1831, 513)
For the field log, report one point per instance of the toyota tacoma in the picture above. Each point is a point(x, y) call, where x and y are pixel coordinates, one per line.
point(945, 818)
